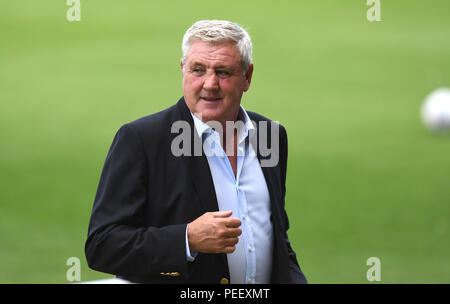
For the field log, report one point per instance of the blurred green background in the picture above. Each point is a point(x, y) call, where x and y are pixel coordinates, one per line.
point(365, 178)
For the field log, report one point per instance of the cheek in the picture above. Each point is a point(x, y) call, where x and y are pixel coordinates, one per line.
point(192, 85)
point(230, 87)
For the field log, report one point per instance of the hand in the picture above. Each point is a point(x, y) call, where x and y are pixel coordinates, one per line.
point(214, 232)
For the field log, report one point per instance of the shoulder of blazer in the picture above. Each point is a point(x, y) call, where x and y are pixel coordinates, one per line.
point(157, 126)
point(258, 118)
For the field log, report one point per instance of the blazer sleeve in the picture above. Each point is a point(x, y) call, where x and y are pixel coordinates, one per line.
point(295, 273)
point(118, 240)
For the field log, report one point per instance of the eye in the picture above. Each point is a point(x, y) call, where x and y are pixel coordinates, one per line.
point(222, 73)
point(197, 71)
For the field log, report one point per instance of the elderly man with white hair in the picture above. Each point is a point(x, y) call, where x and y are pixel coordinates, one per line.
point(204, 205)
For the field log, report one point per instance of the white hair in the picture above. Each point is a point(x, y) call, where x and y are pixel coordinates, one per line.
point(216, 31)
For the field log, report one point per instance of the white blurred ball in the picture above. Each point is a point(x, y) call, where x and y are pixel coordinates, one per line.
point(436, 110)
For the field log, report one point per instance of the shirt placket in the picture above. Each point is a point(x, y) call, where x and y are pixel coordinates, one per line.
point(245, 219)
point(247, 234)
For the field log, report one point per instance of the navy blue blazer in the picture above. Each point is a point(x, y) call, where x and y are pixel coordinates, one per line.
point(146, 196)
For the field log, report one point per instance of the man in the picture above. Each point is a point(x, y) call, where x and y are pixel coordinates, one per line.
point(215, 215)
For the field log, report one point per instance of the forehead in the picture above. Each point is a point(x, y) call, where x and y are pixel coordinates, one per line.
point(208, 53)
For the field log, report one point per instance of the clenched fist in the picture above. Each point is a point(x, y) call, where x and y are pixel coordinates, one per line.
point(214, 232)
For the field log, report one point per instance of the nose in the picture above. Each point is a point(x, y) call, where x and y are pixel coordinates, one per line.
point(211, 82)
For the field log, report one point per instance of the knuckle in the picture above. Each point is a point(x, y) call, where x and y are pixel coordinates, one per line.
point(221, 232)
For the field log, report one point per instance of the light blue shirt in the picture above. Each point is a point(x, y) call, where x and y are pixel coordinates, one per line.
point(247, 196)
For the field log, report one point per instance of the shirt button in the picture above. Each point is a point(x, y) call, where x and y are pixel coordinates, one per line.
point(244, 217)
point(250, 248)
point(249, 280)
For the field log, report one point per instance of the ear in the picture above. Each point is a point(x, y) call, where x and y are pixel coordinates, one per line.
point(248, 77)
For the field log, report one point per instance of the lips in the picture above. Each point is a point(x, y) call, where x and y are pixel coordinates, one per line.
point(210, 98)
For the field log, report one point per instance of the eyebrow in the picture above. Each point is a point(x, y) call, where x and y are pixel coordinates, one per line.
point(217, 67)
point(196, 63)
point(224, 67)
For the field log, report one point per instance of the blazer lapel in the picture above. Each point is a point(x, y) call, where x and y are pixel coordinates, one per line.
point(271, 177)
point(201, 176)
point(198, 165)
point(203, 183)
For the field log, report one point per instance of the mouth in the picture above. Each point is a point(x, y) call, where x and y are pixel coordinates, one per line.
point(210, 98)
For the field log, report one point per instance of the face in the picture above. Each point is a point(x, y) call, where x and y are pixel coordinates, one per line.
point(213, 80)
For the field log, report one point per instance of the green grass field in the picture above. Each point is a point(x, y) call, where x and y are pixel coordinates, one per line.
point(365, 178)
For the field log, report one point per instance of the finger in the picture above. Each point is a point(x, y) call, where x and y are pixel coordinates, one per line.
point(232, 222)
point(232, 241)
point(222, 214)
point(229, 249)
point(231, 232)
point(227, 245)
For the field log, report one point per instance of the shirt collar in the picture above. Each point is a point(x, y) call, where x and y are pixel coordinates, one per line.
point(200, 126)
point(247, 130)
